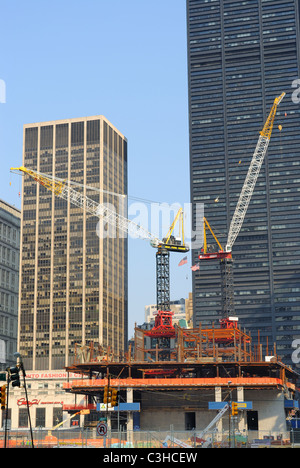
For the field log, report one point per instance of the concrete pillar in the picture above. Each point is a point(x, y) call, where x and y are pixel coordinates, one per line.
point(49, 418)
point(129, 399)
point(108, 420)
point(218, 397)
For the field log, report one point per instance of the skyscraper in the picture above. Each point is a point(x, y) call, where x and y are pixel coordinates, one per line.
point(73, 282)
point(10, 218)
point(241, 55)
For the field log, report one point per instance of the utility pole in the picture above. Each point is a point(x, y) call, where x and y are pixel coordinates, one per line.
point(229, 413)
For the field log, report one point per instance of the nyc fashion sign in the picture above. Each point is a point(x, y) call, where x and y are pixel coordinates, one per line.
point(56, 375)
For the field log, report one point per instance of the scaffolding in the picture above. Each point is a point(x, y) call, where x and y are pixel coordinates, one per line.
point(169, 351)
point(218, 343)
point(171, 358)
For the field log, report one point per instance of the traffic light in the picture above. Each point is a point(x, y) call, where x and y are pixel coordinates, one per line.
point(234, 408)
point(14, 376)
point(3, 396)
point(114, 397)
point(107, 394)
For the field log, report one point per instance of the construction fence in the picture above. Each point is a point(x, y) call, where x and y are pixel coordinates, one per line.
point(89, 438)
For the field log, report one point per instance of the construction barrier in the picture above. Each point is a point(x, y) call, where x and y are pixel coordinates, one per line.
point(88, 438)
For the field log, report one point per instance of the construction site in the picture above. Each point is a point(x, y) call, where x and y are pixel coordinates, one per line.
point(190, 379)
point(203, 382)
point(176, 387)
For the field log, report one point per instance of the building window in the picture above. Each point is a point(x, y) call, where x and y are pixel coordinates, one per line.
point(40, 419)
point(190, 421)
point(57, 416)
point(252, 420)
point(23, 417)
point(4, 418)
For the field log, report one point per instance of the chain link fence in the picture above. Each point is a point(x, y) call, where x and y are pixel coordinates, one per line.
point(89, 438)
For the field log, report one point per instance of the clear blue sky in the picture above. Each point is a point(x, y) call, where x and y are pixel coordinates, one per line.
point(126, 60)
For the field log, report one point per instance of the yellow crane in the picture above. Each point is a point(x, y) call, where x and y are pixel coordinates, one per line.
point(65, 189)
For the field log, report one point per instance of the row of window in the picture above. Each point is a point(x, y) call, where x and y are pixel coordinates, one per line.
point(40, 417)
point(8, 233)
point(8, 256)
point(8, 279)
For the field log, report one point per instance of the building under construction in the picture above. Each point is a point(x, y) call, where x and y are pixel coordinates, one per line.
point(183, 377)
point(176, 376)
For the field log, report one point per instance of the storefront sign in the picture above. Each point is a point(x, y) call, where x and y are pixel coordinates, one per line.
point(121, 407)
point(217, 405)
point(35, 401)
point(51, 375)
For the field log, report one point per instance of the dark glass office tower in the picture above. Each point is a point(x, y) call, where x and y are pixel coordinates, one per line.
point(73, 283)
point(241, 55)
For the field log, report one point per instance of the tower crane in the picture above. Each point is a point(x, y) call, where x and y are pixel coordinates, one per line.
point(225, 255)
point(65, 189)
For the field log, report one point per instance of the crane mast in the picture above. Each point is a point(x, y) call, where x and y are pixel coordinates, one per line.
point(225, 256)
point(252, 175)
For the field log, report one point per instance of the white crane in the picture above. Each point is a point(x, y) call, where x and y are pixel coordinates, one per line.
point(252, 175)
point(225, 256)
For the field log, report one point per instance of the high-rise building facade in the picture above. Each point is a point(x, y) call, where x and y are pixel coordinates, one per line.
point(73, 281)
point(10, 219)
point(241, 55)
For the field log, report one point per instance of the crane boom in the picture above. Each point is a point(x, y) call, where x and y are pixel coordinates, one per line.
point(64, 190)
point(215, 420)
point(239, 215)
point(252, 175)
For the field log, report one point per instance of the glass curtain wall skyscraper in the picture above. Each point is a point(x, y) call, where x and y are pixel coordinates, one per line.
point(241, 55)
point(73, 285)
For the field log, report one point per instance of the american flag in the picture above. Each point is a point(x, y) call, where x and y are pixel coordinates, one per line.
point(183, 261)
point(195, 267)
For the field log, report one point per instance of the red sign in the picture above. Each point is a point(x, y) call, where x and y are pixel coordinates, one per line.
point(101, 429)
point(35, 401)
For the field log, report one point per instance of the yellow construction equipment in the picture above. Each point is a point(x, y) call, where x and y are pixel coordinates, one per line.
point(65, 189)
